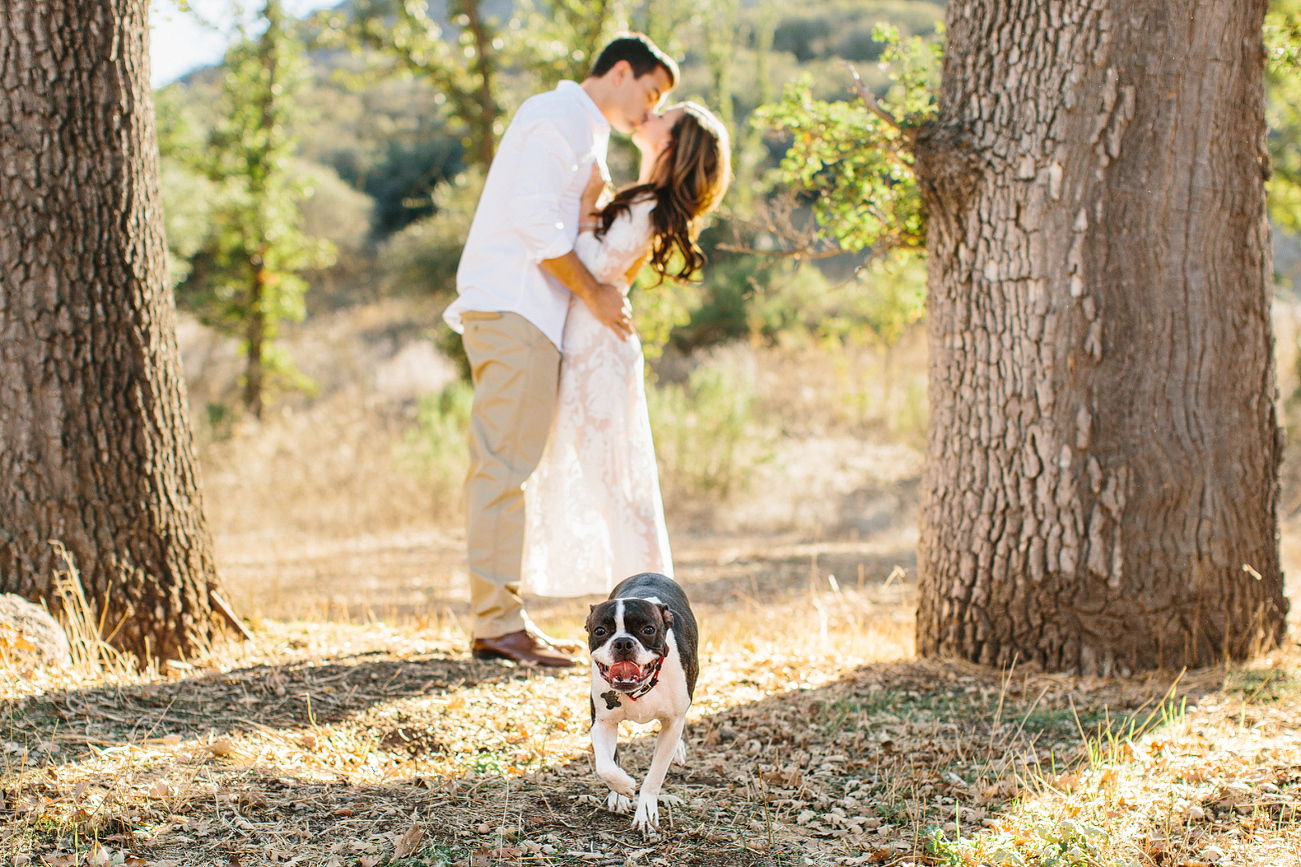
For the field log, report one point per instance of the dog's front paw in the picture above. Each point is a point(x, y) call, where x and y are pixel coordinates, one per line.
point(680, 753)
point(619, 782)
point(617, 803)
point(647, 819)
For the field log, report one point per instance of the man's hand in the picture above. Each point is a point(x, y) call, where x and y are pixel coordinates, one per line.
point(611, 308)
point(606, 302)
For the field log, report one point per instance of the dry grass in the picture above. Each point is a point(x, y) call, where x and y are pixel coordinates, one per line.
point(827, 425)
point(813, 740)
point(357, 731)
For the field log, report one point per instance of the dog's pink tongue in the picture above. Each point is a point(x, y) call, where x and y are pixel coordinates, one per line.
point(625, 670)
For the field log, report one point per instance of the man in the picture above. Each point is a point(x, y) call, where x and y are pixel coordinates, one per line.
point(514, 283)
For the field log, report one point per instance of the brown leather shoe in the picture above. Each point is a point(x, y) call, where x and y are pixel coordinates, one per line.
point(521, 647)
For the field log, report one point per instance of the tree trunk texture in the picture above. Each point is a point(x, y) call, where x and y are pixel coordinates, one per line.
point(1102, 475)
point(254, 339)
point(483, 69)
point(97, 450)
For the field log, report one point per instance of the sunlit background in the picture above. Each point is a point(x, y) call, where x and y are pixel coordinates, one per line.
point(182, 40)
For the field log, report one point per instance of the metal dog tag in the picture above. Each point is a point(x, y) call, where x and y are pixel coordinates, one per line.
point(611, 700)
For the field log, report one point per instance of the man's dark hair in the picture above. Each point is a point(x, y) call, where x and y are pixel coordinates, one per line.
point(642, 55)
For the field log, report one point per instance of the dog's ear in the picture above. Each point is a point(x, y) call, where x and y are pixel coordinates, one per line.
point(587, 624)
point(667, 614)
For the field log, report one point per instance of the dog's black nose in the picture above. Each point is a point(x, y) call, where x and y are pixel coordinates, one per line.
point(623, 645)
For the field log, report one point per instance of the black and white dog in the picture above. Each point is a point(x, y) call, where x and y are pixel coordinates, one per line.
point(644, 667)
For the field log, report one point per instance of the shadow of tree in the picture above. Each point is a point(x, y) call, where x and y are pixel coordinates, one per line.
point(290, 695)
point(862, 767)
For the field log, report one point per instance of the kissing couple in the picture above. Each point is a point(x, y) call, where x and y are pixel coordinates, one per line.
point(562, 494)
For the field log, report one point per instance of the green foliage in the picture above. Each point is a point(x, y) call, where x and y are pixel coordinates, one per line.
point(721, 311)
point(435, 447)
point(557, 39)
point(422, 258)
point(472, 58)
point(461, 58)
point(403, 179)
point(884, 298)
point(855, 163)
point(660, 308)
point(245, 275)
point(187, 192)
point(844, 28)
point(705, 431)
point(1283, 87)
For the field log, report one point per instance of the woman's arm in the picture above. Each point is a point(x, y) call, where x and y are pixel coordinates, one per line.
point(611, 256)
point(636, 267)
point(589, 215)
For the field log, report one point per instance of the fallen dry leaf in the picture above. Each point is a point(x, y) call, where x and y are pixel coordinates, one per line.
point(409, 841)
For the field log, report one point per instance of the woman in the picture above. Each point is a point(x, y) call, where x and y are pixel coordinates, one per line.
point(593, 512)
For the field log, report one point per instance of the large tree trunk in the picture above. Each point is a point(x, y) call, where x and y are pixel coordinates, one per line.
point(1102, 458)
point(97, 451)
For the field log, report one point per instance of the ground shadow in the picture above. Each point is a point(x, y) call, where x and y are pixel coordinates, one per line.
point(290, 695)
point(864, 767)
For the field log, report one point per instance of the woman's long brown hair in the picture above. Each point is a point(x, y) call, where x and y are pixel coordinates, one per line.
point(698, 161)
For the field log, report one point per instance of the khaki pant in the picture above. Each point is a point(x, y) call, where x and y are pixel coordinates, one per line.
point(516, 373)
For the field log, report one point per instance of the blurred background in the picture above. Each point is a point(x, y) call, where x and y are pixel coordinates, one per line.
point(320, 166)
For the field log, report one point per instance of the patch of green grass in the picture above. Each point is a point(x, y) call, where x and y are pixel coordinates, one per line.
point(1262, 686)
point(707, 436)
point(438, 854)
point(487, 763)
point(435, 445)
point(849, 711)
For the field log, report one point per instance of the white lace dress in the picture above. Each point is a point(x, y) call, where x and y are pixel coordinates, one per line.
point(593, 511)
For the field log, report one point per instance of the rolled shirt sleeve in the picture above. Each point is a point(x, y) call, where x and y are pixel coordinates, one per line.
point(541, 211)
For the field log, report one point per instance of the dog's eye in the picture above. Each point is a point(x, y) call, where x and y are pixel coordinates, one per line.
point(600, 630)
point(648, 630)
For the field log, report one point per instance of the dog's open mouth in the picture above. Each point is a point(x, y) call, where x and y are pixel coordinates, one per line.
point(626, 675)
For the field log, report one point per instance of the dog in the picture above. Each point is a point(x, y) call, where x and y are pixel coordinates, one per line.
point(642, 642)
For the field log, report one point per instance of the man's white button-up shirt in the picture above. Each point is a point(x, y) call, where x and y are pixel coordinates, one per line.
point(529, 210)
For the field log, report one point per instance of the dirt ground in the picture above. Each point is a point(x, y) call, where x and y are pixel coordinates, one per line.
point(356, 730)
point(815, 737)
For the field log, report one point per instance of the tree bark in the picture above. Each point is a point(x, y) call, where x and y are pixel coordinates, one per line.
point(1103, 450)
point(97, 450)
point(483, 69)
point(254, 340)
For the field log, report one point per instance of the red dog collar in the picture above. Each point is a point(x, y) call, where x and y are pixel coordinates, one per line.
point(655, 678)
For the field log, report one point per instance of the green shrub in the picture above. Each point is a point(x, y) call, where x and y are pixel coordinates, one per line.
point(706, 437)
point(436, 445)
